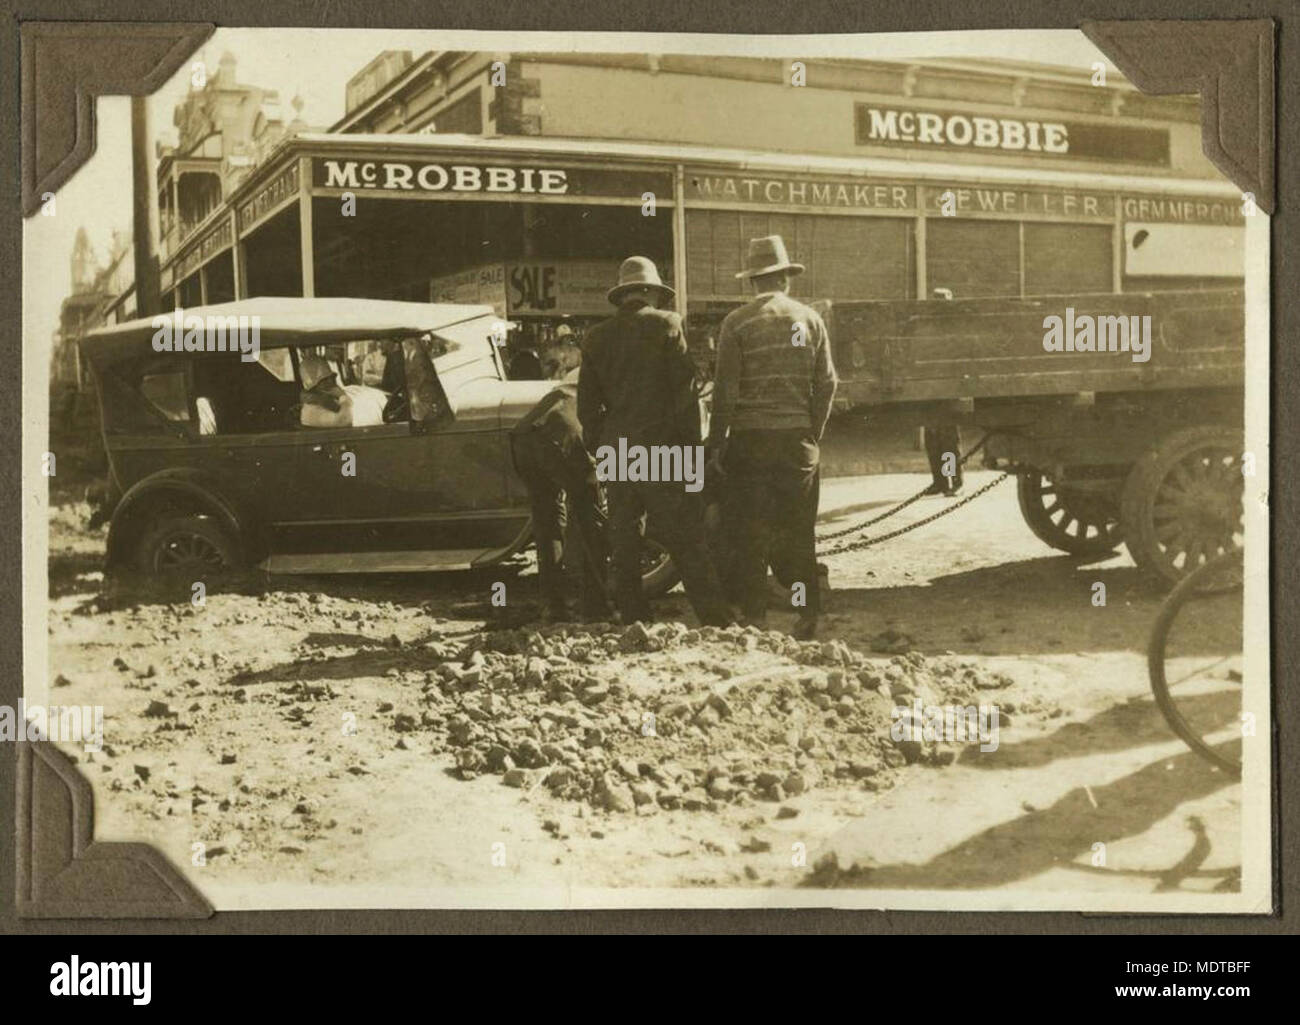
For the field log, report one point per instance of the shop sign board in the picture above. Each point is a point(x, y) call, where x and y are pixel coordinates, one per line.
point(216, 240)
point(996, 200)
point(560, 287)
point(494, 179)
point(1182, 209)
point(477, 286)
point(532, 288)
point(269, 198)
point(704, 188)
point(951, 130)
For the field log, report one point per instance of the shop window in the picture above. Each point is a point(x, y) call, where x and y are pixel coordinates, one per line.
point(1068, 259)
point(220, 275)
point(973, 258)
point(846, 257)
point(190, 292)
point(465, 116)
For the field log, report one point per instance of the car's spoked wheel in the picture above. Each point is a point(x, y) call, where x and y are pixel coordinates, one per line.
point(190, 547)
point(1182, 504)
point(187, 551)
point(1078, 522)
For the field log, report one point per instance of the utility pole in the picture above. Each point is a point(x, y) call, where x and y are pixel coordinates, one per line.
point(147, 299)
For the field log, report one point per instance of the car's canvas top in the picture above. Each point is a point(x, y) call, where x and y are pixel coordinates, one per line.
point(293, 320)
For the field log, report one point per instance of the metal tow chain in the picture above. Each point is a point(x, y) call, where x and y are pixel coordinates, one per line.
point(855, 527)
point(867, 542)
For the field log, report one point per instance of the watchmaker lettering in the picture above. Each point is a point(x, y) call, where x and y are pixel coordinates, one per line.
point(802, 192)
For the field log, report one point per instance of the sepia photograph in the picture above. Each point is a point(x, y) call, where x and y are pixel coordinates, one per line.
point(548, 470)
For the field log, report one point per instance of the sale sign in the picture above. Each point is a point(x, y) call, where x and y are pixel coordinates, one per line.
point(559, 287)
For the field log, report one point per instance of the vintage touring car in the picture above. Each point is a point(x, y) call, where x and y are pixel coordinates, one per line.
point(210, 466)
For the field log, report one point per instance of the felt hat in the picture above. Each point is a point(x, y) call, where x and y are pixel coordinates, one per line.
point(638, 272)
point(767, 255)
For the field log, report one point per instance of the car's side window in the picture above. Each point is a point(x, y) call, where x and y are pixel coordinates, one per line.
point(166, 392)
point(234, 396)
point(146, 395)
point(351, 384)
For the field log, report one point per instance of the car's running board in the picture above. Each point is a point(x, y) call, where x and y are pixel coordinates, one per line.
point(374, 562)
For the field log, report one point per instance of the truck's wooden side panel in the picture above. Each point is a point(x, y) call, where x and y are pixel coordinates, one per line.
point(935, 350)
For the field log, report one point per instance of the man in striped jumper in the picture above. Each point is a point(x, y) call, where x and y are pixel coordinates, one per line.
point(772, 397)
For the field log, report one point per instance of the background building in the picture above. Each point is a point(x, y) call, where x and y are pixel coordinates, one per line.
point(95, 288)
point(521, 181)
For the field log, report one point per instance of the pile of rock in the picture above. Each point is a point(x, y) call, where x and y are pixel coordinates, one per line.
point(644, 718)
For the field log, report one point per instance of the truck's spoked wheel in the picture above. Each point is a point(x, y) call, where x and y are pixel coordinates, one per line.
point(1070, 521)
point(1181, 505)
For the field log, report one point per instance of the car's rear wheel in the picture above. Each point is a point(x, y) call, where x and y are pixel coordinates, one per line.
point(186, 546)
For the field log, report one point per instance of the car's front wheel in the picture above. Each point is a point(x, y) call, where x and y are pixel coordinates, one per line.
point(188, 545)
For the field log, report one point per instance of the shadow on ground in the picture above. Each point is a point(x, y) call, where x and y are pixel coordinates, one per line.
point(1055, 837)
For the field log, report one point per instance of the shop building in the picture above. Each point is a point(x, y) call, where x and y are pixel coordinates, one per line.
point(532, 176)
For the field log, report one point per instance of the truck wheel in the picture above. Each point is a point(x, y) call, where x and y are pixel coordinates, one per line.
point(1181, 504)
point(1078, 522)
point(185, 546)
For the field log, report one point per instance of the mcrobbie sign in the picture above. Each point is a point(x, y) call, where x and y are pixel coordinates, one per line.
point(404, 176)
point(452, 177)
point(893, 126)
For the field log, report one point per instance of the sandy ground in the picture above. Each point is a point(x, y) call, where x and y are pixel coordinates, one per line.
point(260, 726)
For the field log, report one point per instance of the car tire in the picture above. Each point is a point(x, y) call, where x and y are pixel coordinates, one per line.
point(189, 546)
point(659, 573)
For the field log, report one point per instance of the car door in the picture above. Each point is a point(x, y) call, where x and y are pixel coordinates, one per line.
point(428, 492)
point(245, 437)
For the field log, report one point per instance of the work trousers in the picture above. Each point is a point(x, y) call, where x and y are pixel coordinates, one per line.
point(567, 505)
point(773, 477)
point(940, 440)
point(676, 517)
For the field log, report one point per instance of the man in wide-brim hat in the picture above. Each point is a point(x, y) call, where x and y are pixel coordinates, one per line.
point(637, 386)
point(772, 397)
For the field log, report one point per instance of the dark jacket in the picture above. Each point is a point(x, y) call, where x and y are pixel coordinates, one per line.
point(554, 419)
point(637, 381)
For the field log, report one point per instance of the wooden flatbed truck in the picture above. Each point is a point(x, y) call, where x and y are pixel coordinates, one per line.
point(1105, 448)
